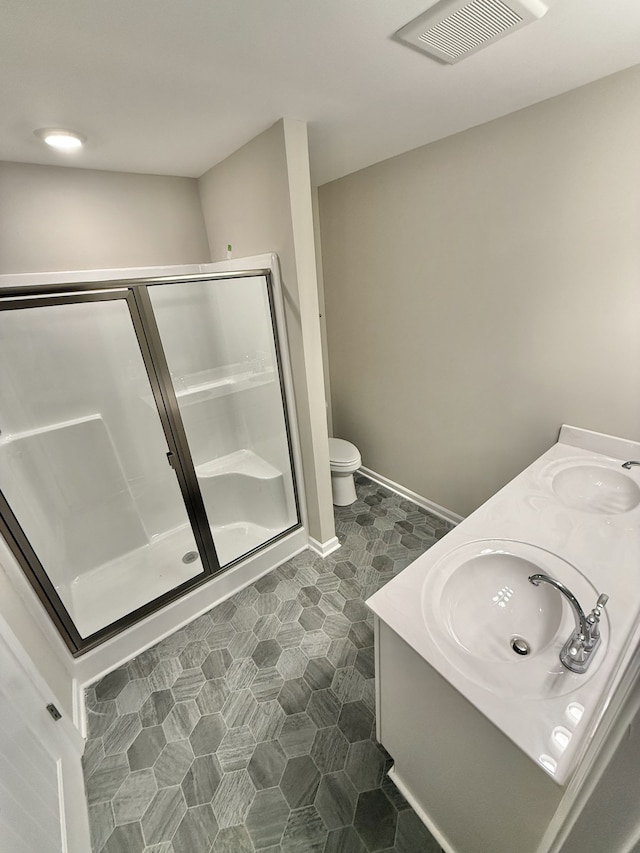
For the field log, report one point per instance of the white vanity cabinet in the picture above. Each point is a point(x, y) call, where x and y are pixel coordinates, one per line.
point(493, 749)
point(474, 789)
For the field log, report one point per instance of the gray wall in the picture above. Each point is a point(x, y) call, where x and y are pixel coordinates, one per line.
point(245, 201)
point(482, 290)
point(54, 218)
point(259, 200)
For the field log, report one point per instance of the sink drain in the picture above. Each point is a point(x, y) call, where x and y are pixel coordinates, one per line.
point(520, 646)
point(190, 557)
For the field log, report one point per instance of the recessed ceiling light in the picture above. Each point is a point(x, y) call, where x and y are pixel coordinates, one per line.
point(61, 139)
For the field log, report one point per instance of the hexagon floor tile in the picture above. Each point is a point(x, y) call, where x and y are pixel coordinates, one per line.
point(252, 728)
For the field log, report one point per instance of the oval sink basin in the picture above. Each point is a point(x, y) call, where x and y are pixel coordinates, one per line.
point(598, 486)
point(501, 631)
point(490, 605)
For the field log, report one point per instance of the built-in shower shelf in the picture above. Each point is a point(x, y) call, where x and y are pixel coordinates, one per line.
point(220, 386)
point(244, 462)
point(8, 438)
point(218, 383)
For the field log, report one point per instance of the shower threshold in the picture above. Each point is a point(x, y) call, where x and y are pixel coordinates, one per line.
point(107, 593)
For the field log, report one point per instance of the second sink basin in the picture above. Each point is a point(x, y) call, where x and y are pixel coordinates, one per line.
point(498, 629)
point(598, 486)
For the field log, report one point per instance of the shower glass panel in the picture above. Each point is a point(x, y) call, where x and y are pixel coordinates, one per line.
point(219, 340)
point(83, 457)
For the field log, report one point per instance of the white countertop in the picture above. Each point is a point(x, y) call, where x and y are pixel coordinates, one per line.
point(603, 547)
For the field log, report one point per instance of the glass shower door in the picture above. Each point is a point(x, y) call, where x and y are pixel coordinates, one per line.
point(86, 490)
point(219, 339)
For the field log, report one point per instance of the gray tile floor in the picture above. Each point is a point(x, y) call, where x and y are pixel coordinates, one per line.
point(252, 728)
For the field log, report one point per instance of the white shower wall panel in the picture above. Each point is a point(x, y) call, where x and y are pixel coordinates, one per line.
point(40, 357)
point(213, 325)
point(263, 420)
point(18, 473)
point(66, 485)
point(240, 322)
point(128, 408)
point(190, 336)
point(212, 425)
point(69, 364)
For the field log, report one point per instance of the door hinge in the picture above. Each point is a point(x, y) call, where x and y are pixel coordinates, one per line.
point(51, 708)
point(171, 459)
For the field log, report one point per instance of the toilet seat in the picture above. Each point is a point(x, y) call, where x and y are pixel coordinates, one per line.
point(343, 455)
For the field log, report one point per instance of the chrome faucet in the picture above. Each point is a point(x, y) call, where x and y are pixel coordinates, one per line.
point(579, 649)
point(628, 465)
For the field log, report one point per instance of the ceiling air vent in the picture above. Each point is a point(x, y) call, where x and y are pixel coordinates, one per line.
point(454, 29)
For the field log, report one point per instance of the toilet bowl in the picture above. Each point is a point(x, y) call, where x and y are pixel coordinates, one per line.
point(345, 459)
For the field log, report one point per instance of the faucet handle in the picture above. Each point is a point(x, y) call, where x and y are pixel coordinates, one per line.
point(593, 620)
point(600, 603)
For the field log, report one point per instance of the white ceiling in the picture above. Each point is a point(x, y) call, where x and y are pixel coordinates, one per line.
point(174, 86)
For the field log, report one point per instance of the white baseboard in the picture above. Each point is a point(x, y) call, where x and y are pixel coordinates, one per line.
point(324, 548)
point(433, 828)
point(425, 503)
point(79, 707)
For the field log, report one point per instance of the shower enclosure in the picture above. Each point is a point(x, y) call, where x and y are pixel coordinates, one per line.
point(144, 440)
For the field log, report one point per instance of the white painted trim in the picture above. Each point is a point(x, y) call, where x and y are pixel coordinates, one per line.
point(39, 684)
point(433, 827)
point(65, 745)
point(62, 809)
point(313, 413)
point(425, 503)
point(79, 708)
point(321, 304)
point(324, 548)
point(378, 681)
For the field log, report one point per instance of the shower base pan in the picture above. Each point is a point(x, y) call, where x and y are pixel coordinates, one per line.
point(111, 591)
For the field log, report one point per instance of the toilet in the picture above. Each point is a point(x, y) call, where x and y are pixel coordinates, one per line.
point(345, 460)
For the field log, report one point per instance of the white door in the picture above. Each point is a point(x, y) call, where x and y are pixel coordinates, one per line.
point(42, 803)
